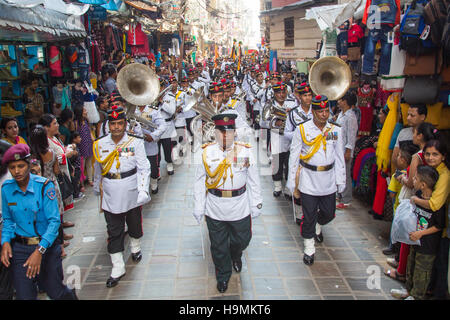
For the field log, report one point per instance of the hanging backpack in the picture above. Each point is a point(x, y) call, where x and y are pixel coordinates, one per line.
point(445, 41)
point(415, 35)
point(435, 15)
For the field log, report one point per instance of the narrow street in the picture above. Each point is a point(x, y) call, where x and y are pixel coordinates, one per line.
point(173, 266)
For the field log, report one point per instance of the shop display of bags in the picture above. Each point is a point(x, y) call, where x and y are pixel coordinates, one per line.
point(422, 89)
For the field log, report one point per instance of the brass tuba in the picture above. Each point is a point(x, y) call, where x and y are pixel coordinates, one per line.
point(202, 125)
point(139, 85)
point(331, 77)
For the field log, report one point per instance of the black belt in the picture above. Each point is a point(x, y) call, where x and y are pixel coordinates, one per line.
point(121, 175)
point(170, 119)
point(227, 193)
point(316, 168)
point(32, 241)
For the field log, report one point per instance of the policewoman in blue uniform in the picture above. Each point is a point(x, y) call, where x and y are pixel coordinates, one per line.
point(30, 227)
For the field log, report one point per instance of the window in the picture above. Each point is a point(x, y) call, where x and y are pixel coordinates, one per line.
point(289, 32)
point(268, 5)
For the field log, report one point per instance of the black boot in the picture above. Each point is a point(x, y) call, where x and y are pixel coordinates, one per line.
point(112, 282)
point(308, 260)
point(237, 265)
point(136, 257)
point(222, 286)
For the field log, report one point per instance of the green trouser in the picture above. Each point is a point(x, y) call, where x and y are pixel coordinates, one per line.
point(418, 273)
point(228, 240)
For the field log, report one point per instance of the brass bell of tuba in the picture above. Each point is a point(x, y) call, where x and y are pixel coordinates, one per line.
point(330, 76)
point(139, 85)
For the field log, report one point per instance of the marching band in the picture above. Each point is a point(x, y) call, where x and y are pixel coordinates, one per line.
point(226, 109)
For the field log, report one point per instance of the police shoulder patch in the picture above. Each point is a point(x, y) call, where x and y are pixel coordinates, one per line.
point(51, 193)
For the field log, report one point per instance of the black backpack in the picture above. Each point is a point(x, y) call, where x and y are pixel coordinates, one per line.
point(415, 35)
point(446, 38)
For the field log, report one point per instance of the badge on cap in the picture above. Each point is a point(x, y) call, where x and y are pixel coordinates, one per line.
point(114, 114)
point(16, 156)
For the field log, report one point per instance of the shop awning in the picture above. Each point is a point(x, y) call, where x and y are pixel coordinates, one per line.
point(292, 6)
point(37, 24)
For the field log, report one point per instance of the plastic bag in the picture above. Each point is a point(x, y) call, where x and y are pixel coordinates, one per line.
point(405, 222)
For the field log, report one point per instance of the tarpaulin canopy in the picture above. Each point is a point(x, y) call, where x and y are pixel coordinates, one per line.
point(31, 21)
point(330, 17)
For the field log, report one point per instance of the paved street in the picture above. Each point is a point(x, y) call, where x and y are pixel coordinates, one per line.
point(173, 266)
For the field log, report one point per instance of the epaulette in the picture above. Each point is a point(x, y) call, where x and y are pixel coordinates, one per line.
point(247, 145)
point(207, 144)
point(332, 122)
point(101, 137)
point(136, 136)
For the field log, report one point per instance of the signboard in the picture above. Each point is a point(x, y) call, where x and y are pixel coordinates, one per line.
point(287, 54)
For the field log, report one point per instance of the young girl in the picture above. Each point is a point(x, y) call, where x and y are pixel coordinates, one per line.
point(82, 126)
point(428, 231)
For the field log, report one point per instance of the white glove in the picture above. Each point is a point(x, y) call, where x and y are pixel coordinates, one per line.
point(198, 217)
point(255, 212)
point(143, 198)
point(341, 188)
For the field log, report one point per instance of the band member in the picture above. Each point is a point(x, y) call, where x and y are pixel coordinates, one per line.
point(180, 125)
point(151, 138)
point(227, 191)
point(317, 149)
point(256, 91)
point(121, 172)
point(301, 113)
point(243, 130)
point(168, 112)
point(190, 114)
point(279, 143)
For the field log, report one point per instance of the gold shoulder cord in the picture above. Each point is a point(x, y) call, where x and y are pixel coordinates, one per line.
point(314, 144)
point(109, 160)
point(220, 172)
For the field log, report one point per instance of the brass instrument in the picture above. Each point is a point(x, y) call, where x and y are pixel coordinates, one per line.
point(202, 125)
point(330, 76)
point(139, 85)
point(272, 114)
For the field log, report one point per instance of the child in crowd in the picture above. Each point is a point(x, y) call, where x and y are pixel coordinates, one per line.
point(429, 230)
point(404, 158)
point(75, 163)
point(35, 167)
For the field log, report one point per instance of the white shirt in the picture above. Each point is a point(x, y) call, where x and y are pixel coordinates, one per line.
point(154, 116)
point(168, 108)
point(228, 209)
point(317, 183)
point(120, 195)
point(349, 129)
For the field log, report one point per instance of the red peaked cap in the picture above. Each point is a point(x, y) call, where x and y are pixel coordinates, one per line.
point(319, 102)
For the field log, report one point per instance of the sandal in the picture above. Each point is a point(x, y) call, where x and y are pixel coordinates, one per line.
point(392, 262)
point(392, 273)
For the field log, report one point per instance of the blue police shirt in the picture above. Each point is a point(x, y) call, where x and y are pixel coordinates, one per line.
point(20, 210)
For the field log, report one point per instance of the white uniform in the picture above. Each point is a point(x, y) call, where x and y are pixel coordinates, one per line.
point(168, 108)
point(154, 116)
point(120, 195)
point(296, 116)
point(278, 143)
point(235, 208)
point(243, 130)
point(317, 183)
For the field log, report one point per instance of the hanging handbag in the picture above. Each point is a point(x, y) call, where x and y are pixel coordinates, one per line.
point(65, 185)
point(353, 53)
point(423, 65)
point(422, 89)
